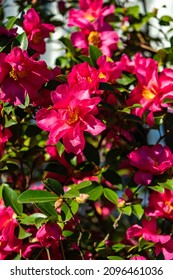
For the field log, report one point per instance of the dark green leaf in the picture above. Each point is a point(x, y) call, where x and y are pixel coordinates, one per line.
point(47, 209)
point(106, 86)
point(10, 198)
point(21, 40)
point(94, 54)
point(30, 220)
point(23, 234)
point(56, 167)
point(112, 177)
point(111, 195)
point(54, 186)
point(36, 196)
point(91, 154)
point(84, 58)
point(68, 45)
point(68, 211)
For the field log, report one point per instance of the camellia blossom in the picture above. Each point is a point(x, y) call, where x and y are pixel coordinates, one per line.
point(72, 113)
point(154, 160)
point(36, 31)
point(160, 204)
point(99, 34)
point(49, 234)
point(84, 75)
point(148, 230)
point(9, 242)
point(89, 11)
point(20, 74)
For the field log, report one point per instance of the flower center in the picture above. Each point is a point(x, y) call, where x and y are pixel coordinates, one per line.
point(88, 16)
point(168, 207)
point(37, 38)
point(73, 115)
point(102, 75)
point(148, 94)
point(89, 80)
point(94, 38)
point(17, 74)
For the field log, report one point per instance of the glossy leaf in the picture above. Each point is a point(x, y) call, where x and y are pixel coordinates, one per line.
point(36, 196)
point(54, 186)
point(111, 195)
point(10, 198)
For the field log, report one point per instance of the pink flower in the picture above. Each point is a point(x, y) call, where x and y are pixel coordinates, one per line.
point(72, 114)
point(148, 231)
point(89, 11)
point(36, 30)
point(84, 75)
point(9, 242)
point(109, 70)
point(49, 234)
point(150, 161)
point(5, 134)
point(20, 74)
point(138, 258)
point(99, 34)
point(160, 204)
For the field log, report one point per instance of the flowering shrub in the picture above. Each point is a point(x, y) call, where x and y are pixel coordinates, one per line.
point(81, 177)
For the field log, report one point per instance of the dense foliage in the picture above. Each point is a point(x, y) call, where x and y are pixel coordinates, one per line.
point(81, 177)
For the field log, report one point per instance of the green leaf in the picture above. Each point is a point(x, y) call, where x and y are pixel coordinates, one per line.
point(23, 234)
point(10, 198)
point(126, 210)
point(112, 177)
point(11, 22)
point(85, 58)
point(126, 80)
point(94, 192)
point(68, 44)
point(56, 167)
point(115, 258)
point(60, 148)
point(81, 185)
point(47, 209)
point(54, 186)
point(94, 54)
point(110, 195)
point(168, 184)
point(165, 20)
point(67, 233)
point(138, 210)
point(68, 211)
point(118, 247)
point(21, 40)
point(36, 196)
point(30, 220)
point(128, 109)
point(157, 188)
point(91, 153)
point(133, 11)
point(71, 194)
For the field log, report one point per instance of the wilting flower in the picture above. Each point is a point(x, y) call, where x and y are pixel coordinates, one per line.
point(49, 234)
point(9, 242)
point(20, 74)
point(36, 31)
point(150, 161)
point(72, 113)
point(148, 231)
point(160, 204)
point(89, 11)
point(99, 34)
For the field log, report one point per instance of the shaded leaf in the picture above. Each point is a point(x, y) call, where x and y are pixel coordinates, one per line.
point(10, 198)
point(54, 186)
point(36, 196)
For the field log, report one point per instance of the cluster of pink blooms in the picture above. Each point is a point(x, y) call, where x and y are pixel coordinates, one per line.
point(93, 28)
point(74, 109)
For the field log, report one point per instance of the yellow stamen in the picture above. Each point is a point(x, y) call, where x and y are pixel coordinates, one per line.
point(89, 80)
point(168, 207)
point(94, 38)
point(89, 17)
point(102, 75)
point(13, 74)
point(148, 94)
point(73, 115)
